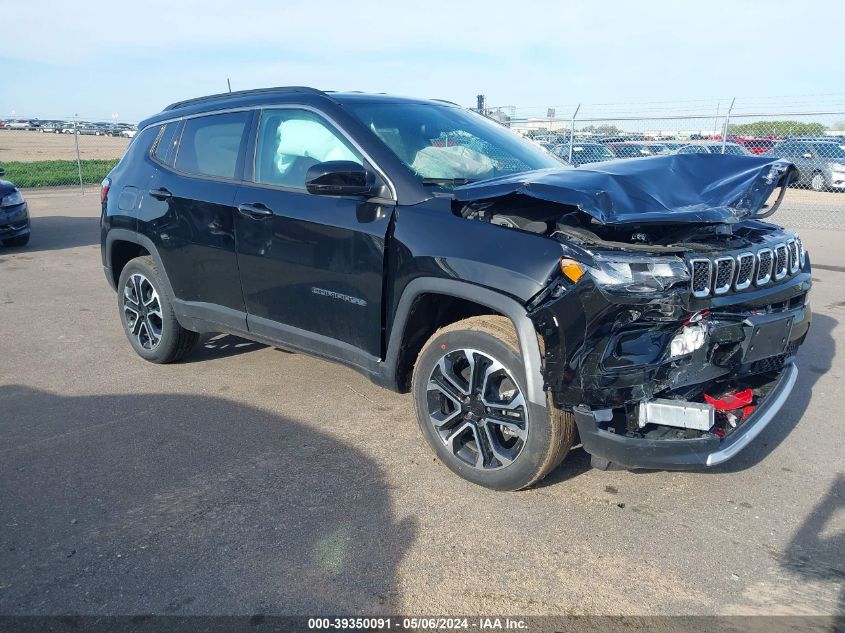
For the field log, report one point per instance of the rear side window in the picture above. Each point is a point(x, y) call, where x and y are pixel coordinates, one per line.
point(211, 145)
point(166, 146)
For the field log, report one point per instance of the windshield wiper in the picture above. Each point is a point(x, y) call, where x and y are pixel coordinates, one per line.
point(447, 181)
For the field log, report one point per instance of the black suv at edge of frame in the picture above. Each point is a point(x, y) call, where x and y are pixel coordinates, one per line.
point(641, 307)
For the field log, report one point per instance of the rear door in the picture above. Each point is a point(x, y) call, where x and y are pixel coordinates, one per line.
point(191, 213)
point(311, 266)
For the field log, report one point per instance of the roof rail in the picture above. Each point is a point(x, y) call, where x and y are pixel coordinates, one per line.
point(242, 93)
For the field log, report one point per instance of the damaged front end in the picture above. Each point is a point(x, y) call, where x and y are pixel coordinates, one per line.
point(670, 334)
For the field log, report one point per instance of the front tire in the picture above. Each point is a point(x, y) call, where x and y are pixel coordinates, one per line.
point(472, 407)
point(146, 313)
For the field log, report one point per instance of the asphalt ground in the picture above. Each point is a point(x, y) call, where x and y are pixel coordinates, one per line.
point(250, 480)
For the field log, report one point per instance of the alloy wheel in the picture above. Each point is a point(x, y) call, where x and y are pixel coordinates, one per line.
point(817, 182)
point(142, 311)
point(477, 409)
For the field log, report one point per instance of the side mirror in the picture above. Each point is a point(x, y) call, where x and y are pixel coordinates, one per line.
point(339, 178)
point(806, 155)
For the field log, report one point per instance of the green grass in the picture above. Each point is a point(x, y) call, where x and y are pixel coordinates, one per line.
point(56, 173)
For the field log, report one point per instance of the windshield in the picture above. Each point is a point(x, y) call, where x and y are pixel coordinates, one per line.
point(449, 146)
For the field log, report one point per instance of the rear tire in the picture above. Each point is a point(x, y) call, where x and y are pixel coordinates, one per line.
point(146, 313)
point(462, 373)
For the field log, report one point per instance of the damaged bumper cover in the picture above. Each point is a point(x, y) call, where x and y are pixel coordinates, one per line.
point(607, 356)
point(706, 450)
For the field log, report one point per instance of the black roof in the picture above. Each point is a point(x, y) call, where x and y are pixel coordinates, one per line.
point(281, 94)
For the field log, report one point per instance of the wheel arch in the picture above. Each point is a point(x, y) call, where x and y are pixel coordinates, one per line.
point(119, 246)
point(404, 342)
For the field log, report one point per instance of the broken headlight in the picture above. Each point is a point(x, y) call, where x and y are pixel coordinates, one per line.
point(622, 272)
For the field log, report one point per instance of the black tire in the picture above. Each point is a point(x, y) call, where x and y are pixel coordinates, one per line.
point(165, 341)
point(550, 431)
point(20, 240)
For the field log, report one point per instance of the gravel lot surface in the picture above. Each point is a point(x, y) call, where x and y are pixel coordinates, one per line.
point(250, 480)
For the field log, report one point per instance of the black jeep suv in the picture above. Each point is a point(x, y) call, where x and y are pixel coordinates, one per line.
point(641, 305)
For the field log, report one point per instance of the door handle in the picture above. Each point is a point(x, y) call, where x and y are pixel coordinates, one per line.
point(161, 194)
point(256, 210)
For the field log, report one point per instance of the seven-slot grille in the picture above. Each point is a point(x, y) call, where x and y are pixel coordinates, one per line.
point(720, 275)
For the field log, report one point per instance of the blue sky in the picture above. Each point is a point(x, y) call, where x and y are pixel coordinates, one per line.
point(97, 59)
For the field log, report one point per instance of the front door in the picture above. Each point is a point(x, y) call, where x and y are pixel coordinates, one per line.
point(311, 266)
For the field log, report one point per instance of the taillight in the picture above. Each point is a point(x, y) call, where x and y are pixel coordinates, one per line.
point(104, 189)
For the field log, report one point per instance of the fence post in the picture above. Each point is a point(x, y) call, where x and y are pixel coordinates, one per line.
point(78, 161)
point(727, 120)
point(572, 131)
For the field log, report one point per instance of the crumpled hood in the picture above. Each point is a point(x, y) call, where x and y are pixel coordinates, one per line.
point(707, 188)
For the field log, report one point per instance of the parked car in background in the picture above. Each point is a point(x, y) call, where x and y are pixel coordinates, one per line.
point(634, 149)
point(821, 164)
point(14, 214)
point(714, 147)
point(18, 125)
point(128, 133)
point(582, 153)
point(50, 127)
point(755, 145)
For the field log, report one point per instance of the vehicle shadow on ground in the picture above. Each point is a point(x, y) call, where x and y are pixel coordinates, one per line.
point(817, 549)
point(180, 504)
point(56, 232)
point(215, 346)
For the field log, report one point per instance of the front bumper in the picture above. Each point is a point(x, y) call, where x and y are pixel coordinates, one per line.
point(680, 454)
point(14, 221)
point(604, 356)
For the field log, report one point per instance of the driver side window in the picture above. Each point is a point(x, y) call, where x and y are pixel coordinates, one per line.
point(290, 141)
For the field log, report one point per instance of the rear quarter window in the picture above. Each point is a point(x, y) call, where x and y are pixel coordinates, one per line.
point(142, 141)
point(165, 147)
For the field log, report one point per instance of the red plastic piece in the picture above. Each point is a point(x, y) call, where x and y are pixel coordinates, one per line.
point(746, 411)
point(732, 401)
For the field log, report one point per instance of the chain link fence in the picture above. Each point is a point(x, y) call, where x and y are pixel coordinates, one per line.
point(75, 153)
point(810, 134)
point(808, 131)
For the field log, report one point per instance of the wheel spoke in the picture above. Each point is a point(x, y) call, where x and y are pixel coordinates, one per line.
point(153, 297)
point(493, 444)
point(447, 369)
point(438, 418)
point(446, 387)
point(509, 424)
point(451, 439)
point(154, 332)
point(493, 368)
point(136, 287)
